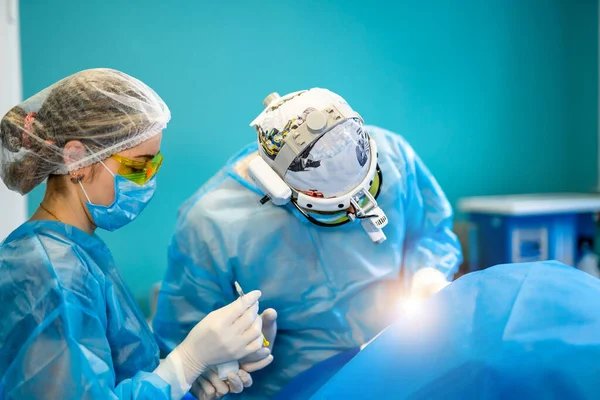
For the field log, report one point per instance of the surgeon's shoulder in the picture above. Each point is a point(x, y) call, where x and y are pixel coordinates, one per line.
point(224, 199)
point(41, 281)
point(41, 262)
point(392, 145)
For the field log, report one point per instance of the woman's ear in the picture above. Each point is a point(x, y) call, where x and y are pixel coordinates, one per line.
point(73, 151)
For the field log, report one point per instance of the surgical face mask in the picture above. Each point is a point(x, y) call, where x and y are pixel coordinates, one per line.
point(334, 164)
point(130, 200)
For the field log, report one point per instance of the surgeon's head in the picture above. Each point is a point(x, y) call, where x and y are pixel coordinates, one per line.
point(317, 145)
point(95, 136)
point(334, 160)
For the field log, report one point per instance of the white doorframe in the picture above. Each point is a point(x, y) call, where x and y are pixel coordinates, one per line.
point(13, 206)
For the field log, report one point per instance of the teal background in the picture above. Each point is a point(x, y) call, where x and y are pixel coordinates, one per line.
point(497, 96)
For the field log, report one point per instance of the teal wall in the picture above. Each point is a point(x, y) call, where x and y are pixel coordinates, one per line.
point(496, 96)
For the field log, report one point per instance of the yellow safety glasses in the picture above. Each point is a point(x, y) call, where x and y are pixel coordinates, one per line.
point(138, 172)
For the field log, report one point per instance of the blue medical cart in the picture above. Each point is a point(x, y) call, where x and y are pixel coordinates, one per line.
point(525, 228)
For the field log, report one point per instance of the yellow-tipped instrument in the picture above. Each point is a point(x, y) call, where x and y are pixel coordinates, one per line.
point(240, 292)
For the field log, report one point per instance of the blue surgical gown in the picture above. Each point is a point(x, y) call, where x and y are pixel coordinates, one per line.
point(332, 287)
point(69, 327)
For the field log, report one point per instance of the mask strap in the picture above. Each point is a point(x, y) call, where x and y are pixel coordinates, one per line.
point(101, 162)
point(105, 167)
point(84, 192)
point(81, 185)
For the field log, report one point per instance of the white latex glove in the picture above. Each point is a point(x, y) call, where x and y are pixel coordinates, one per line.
point(209, 386)
point(263, 357)
point(227, 334)
point(426, 282)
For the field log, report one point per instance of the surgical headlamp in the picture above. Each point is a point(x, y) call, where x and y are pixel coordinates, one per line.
point(359, 203)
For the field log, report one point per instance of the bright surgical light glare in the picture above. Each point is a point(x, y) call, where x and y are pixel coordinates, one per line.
point(411, 306)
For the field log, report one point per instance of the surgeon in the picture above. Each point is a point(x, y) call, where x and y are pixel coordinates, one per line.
point(331, 219)
point(70, 328)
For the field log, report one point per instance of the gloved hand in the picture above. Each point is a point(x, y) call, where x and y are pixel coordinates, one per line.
point(263, 357)
point(227, 334)
point(209, 386)
point(426, 282)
